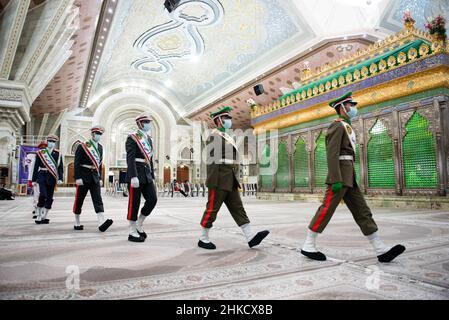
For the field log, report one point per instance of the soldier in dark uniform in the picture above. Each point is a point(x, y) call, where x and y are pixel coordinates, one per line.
point(140, 177)
point(341, 184)
point(222, 182)
point(88, 165)
point(48, 171)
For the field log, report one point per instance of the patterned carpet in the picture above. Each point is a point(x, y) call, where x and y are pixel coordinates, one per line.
point(55, 262)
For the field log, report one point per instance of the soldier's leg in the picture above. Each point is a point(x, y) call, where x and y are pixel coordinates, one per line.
point(356, 203)
point(325, 212)
point(216, 198)
point(320, 221)
point(95, 193)
point(235, 206)
point(133, 211)
point(133, 202)
point(80, 195)
point(150, 194)
point(41, 201)
point(234, 203)
point(48, 202)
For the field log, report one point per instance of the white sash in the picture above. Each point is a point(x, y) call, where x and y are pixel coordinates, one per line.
point(49, 162)
point(351, 135)
point(144, 145)
point(227, 137)
point(93, 153)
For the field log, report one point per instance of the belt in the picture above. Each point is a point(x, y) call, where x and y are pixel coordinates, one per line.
point(88, 166)
point(227, 161)
point(141, 160)
point(43, 169)
point(346, 158)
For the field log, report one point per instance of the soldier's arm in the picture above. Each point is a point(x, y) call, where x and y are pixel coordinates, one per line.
point(333, 144)
point(131, 148)
point(60, 168)
point(37, 164)
point(77, 165)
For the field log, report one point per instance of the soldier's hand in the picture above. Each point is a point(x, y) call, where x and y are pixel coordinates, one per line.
point(135, 182)
point(34, 183)
point(336, 187)
point(79, 182)
point(60, 182)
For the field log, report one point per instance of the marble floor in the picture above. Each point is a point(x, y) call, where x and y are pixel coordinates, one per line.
point(56, 262)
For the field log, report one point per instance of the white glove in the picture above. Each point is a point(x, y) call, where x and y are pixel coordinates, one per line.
point(135, 182)
point(79, 182)
point(101, 183)
point(34, 183)
point(60, 182)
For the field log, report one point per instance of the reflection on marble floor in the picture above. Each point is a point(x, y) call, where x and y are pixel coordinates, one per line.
point(41, 261)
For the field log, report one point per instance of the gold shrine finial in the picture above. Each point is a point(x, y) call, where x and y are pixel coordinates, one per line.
point(409, 22)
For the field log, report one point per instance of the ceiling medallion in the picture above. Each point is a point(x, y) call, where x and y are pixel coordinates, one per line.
point(162, 44)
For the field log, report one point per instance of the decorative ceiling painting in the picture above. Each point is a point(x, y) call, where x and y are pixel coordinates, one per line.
point(179, 38)
point(200, 48)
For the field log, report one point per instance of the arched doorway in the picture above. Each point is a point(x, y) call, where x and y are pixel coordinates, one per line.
point(71, 174)
point(167, 175)
point(182, 173)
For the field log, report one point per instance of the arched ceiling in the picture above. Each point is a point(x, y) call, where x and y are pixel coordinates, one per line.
point(210, 52)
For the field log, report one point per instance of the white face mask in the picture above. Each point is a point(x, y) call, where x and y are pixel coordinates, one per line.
point(352, 112)
point(96, 137)
point(227, 123)
point(146, 127)
point(51, 145)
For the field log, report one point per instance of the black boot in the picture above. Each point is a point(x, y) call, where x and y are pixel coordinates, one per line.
point(105, 225)
point(142, 234)
point(258, 238)
point(135, 239)
point(81, 227)
point(391, 254)
point(318, 256)
point(208, 246)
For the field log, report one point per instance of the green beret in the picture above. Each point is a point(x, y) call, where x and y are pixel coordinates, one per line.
point(224, 111)
point(347, 97)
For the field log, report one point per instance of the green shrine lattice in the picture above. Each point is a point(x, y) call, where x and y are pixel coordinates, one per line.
point(320, 162)
point(301, 164)
point(380, 158)
point(282, 176)
point(265, 176)
point(419, 159)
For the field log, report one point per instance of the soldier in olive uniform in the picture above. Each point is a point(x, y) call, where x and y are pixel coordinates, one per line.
point(88, 164)
point(140, 177)
point(341, 184)
point(222, 182)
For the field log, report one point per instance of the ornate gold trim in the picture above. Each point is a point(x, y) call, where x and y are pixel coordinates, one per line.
point(409, 85)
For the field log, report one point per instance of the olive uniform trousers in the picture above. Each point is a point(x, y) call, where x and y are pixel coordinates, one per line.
point(356, 203)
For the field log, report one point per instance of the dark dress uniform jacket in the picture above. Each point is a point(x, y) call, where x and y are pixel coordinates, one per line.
point(338, 144)
point(89, 176)
point(45, 176)
point(143, 171)
point(221, 176)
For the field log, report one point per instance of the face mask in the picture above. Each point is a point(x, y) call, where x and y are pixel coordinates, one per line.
point(97, 137)
point(352, 112)
point(146, 127)
point(227, 123)
point(51, 145)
